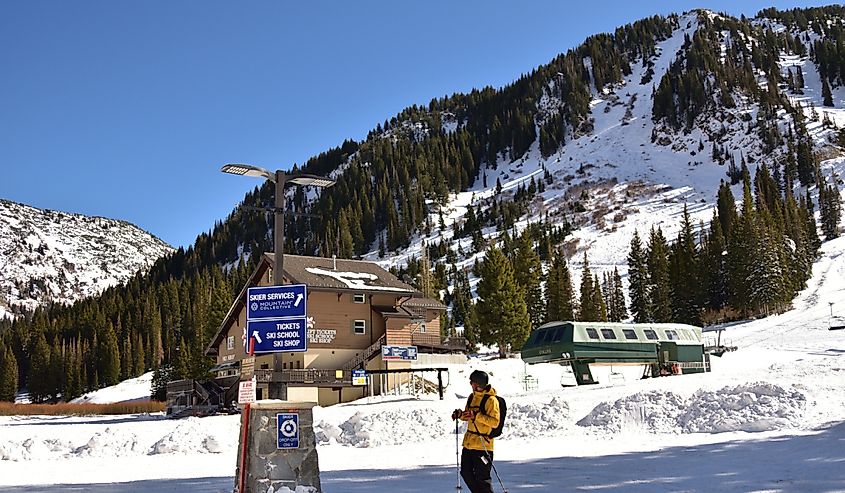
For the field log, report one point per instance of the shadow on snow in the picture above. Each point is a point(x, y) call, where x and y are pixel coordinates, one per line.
point(809, 463)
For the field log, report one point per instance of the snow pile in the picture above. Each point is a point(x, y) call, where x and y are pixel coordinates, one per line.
point(747, 407)
point(31, 449)
point(654, 411)
point(535, 419)
point(299, 489)
point(401, 425)
point(393, 426)
point(109, 443)
point(191, 436)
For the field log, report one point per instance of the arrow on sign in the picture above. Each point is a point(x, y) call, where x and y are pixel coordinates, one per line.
point(298, 299)
point(255, 335)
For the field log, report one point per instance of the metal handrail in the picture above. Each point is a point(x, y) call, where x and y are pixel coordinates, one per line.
point(365, 354)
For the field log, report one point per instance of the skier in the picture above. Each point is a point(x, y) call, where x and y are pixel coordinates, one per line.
point(477, 453)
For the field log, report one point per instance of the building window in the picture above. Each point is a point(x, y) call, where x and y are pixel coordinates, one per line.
point(230, 343)
point(421, 329)
point(359, 327)
point(608, 334)
point(359, 298)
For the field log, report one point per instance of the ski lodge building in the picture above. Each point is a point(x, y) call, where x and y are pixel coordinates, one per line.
point(354, 309)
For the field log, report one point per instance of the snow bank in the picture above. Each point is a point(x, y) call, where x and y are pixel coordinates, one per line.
point(393, 426)
point(536, 418)
point(401, 425)
point(109, 443)
point(189, 437)
point(748, 407)
point(31, 449)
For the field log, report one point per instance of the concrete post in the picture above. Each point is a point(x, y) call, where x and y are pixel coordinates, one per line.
point(270, 468)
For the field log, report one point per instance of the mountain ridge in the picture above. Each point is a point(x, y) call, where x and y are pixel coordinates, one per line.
point(49, 256)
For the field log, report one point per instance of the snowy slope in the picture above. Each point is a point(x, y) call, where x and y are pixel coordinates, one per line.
point(769, 417)
point(49, 256)
point(631, 182)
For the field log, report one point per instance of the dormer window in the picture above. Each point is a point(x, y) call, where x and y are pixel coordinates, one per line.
point(359, 298)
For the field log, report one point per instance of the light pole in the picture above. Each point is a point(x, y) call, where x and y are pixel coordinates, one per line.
point(280, 178)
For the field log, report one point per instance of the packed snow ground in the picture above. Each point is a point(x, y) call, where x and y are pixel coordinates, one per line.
point(769, 417)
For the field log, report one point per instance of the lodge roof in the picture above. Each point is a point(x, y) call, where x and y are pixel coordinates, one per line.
point(342, 274)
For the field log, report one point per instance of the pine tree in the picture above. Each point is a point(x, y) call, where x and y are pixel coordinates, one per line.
point(8, 375)
point(660, 305)
point(589, 311)
point(501, 312)
point(684, 284)
point(39, 370)
point(346, 246)
point(741, 253)
point(638, 279)
point(826, 95)
point(712, 267)
point(559, 292)
point(109, 358)
point(598, 300)
point(726, 207)
point(830, 209)
point(462, 308)
point(151, 325)
point(766, 280)
point(528, 272)
point(56, 372)
point(620, 311)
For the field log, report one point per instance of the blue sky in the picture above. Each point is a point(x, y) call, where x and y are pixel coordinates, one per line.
point(128, 109)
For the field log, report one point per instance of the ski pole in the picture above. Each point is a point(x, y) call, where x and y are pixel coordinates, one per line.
point(457, 460)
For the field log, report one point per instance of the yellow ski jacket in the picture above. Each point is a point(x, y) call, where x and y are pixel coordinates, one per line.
point(477, 429)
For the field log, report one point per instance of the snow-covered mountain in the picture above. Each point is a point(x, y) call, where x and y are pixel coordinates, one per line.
point(630, 172)
point(49, 256)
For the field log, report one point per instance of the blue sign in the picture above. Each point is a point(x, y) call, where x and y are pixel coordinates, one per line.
point(359, 377)
point(276, 302)
point(405, 353)
point(278, 335)
point(287, 430)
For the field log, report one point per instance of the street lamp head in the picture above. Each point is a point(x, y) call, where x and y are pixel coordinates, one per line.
point(247, 170)
point(310, 180)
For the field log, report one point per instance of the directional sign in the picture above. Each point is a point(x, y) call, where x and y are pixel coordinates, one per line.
point(406, 353)
point(287, 430)
point(279, 335)
point(276, 302)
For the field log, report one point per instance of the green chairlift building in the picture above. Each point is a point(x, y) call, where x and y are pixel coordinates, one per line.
point(661, 349)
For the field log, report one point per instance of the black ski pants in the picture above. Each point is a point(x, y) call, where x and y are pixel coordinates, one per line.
point(475, 469)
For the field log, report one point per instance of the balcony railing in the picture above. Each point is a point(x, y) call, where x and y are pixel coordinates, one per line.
point(436, 341)
point(306, 376)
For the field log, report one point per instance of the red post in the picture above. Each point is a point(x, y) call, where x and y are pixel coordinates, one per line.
point(244, 438)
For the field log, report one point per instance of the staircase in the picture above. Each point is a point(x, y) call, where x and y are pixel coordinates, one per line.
point(365, 355)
